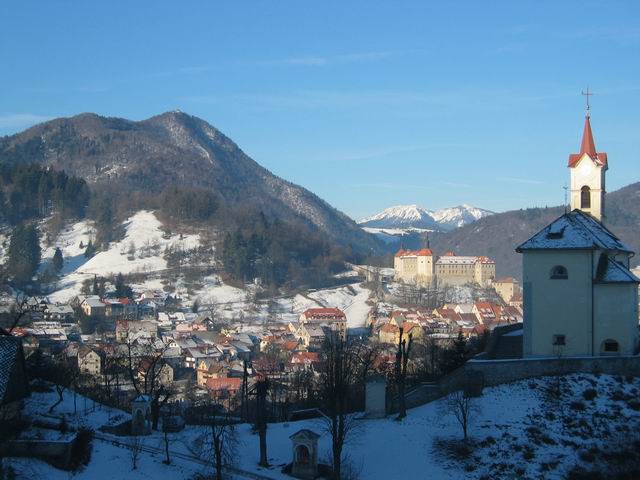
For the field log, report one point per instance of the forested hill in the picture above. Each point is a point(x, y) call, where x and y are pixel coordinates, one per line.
point(498, 235)
point(149, 157)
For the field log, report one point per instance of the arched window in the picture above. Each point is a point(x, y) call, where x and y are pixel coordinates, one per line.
point(302, 454)
point(585, 197)
point(559, 272)
point(610, 346)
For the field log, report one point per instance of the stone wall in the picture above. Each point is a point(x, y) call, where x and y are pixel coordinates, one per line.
point(57, 453)
point(479, 373)
point(496, 372)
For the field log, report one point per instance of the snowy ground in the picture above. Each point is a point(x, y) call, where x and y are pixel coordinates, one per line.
point(517, 431)
point(143, 231)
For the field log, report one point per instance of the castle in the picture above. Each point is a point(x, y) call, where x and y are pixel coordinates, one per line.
point(423, 268)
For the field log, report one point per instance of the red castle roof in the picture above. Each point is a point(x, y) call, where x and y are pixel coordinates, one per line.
point(588, 146)
point(425, 252)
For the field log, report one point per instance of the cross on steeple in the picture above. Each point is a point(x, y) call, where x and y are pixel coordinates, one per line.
point(588, 94)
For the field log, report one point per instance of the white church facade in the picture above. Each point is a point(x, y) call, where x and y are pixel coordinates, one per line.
point(580, 296)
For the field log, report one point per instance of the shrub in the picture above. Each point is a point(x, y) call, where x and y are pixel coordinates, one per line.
point(81, 450)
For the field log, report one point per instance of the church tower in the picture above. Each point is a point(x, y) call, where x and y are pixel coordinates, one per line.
point(588, 175)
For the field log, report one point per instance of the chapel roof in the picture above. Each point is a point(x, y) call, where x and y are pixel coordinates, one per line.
point(575, 230)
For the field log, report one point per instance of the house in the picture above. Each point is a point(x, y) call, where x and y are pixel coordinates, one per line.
point(120, 308)
point(304, 361)
point(485, 312)
point(209, 369)
point(92, 306)
point(128, 329)
point(14, 385)
point(221, 388)
point(580, 296)
point(334, 318)
point(158, 369)
point(59, 313)
point(312, 336)
point(89, 361)
point(388, 333)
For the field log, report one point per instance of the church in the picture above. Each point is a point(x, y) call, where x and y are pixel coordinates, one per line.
point(580, 296)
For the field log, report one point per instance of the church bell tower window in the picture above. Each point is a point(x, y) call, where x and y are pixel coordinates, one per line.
point(585, 197)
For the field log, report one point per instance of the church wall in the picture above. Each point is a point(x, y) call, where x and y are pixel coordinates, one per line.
point(562, 307)
point(613, 319)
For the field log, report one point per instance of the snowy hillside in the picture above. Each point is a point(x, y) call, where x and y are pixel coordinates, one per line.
point(518, 430)
point(415, 217)
point(140, 251)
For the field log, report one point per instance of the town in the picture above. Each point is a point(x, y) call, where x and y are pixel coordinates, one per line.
point(340, 241)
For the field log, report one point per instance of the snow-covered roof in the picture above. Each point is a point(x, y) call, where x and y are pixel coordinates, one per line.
point(574, 231)
point(610, 271)
point(456, 260)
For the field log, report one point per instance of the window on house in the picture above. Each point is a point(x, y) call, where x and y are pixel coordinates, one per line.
point(559, 340)
point(585, 197)
point(559, 272)
point(610, 346)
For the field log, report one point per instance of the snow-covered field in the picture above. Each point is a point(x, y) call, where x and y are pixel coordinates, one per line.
point(516, 430)
point(143, 232)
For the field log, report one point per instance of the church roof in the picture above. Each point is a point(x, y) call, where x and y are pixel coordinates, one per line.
point(575, 230)
point(610, 271)
point(588, 146)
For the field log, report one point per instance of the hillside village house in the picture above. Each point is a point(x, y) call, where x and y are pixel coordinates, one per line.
point(89, 361)
point(580, 298)
point(334, 318)
point(92, 306)
point(423, 268)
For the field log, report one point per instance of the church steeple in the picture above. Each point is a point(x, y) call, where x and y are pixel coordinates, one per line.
point(588, 146)
point(588, 169)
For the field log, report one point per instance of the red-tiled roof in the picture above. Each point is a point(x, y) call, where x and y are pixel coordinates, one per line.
point(425, 252)
point(305, 357)
point(324, 312)
point(229, 383)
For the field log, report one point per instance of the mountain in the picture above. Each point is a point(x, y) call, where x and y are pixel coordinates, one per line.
point(456, 217)
point(402, 216)
point(498, 235)
point(173, 149)
point(416, 217)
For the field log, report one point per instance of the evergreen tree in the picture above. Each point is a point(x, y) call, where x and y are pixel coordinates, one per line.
point(122, 289)
point(24, 253)
point(58, 260)
point(90, 251)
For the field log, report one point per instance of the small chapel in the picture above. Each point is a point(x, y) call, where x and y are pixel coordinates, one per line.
point(580, 296)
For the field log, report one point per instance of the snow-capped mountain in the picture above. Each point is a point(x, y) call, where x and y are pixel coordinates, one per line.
point(416, 217)
point(402, 216)
point(456, 217)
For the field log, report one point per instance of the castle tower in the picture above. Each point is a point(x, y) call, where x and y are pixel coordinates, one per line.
point(588, 175)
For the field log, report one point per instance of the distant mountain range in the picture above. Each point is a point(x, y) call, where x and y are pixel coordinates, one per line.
point(174, 149)
point(412, 217)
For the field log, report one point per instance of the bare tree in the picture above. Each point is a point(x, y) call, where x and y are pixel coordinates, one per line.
point(402, 359)
point(135, 447)
point(463, 408)
point(146, 368)
point(19, 310)
point(338, 376)
point(220, 441)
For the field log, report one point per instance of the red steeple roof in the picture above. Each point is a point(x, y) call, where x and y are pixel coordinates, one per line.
point(588, 146)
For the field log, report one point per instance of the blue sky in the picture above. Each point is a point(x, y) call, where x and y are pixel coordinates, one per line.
point(366, 103)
